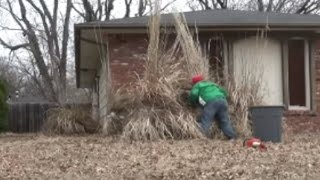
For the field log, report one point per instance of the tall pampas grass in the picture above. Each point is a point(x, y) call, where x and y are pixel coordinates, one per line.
point(156, 108)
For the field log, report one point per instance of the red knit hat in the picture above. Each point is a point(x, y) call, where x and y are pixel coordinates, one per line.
point(197, 78)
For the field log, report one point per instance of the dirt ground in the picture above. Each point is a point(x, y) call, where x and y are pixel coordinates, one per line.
point(40, 157)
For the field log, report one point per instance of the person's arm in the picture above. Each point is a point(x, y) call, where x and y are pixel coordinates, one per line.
point(194, 95)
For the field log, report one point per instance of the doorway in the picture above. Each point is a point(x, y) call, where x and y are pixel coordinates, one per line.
point(299, 81)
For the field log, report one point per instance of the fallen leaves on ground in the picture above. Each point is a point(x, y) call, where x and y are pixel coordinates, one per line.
point(40, 157)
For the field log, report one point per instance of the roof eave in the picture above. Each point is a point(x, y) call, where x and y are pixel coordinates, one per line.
point(216, 26)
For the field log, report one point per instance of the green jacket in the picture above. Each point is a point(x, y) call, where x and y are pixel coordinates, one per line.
point(205, 91)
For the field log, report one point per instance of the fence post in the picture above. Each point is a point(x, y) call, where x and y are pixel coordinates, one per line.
point(37, 116)
point(22, 118)
point(31, 118)
point(27, 118)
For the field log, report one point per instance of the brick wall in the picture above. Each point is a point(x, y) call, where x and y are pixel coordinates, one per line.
point(127, 54)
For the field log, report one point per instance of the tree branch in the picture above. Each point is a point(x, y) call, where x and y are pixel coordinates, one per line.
point(9, 28)
point(280, 5)
point(43, 18)
point(108, 8)
point(46, 10)
point(205, 4)
point(128, 8)
point(79, 12)
point(167, 5)
point(63, 59)
point(163, 8)
point(142, 7)
point(270, 5)
point(260, 5)
point(15, 18)
point(53, 20)
point(303, 7)
point(89, 12)
point(13, 48)
point(98, 12)
point(223, 4)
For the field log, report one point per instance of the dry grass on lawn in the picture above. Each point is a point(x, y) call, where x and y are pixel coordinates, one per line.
point(94, 157)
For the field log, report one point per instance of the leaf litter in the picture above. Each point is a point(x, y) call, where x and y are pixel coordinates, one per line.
point(30, 156)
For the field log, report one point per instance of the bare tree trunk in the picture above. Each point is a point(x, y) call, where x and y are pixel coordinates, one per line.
point(128, 8)
point(223, 4)
point(90, 13)
point(260, 5)
point(205, 4)
point(35, 49)
point(270, 5)
point(63, 60)
point(142, 7)
point(213, 4)
point(108, 8)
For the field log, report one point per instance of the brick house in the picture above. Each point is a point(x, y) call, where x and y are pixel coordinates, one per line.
point(288, 56)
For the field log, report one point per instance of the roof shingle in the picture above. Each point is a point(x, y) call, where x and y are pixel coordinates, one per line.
point(217, 18)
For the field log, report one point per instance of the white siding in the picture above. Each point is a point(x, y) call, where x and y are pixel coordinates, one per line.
point(261, 57)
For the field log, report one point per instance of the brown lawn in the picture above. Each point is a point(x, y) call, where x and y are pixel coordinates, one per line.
point(96, 157)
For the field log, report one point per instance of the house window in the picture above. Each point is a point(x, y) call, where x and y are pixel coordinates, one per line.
point(298, 74)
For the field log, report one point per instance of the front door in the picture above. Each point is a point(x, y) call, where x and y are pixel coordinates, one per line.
point(298, 62)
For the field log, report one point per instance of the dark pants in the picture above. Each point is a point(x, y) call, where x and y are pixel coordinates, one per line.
point(217, 109)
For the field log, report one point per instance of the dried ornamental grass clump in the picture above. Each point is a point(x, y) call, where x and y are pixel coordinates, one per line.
point(73, 120)
point(155, 108)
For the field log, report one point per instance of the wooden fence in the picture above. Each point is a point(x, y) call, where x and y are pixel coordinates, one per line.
point(27, 117)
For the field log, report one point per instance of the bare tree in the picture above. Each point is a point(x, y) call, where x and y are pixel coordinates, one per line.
point(44, 41)
point(142, 7)
point(286, 6)
point(128, 4)
point(212, 4)
point(94, 10)
point(308, 6)
point(91, 10)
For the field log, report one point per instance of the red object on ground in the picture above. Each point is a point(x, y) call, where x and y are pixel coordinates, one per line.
point(255, 143)
point(197, 78)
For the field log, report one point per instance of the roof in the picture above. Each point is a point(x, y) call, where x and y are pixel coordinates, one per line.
point(214, 18)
